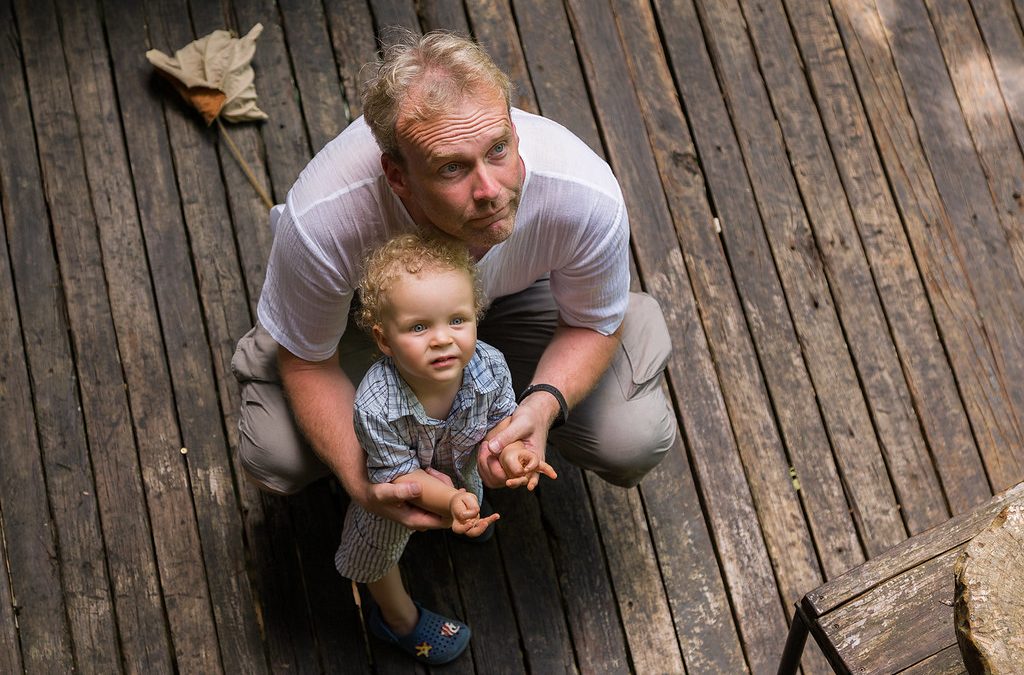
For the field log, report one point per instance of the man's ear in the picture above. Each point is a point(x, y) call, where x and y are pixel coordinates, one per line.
point(395, 174)
point(381, 340)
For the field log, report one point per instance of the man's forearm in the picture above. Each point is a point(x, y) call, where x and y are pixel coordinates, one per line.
point(320, 396)
point(574, 361)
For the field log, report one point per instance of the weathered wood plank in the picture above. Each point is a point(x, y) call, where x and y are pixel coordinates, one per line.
point(738, 370)
point(10, 652)
point(549, 49)
point(495, 29)
point(907, 555)
point(388, 14)
point(487, 605)
point(443, 15)
point(937, 245)
point(175, 534)
point(285, 141)
point(846, 268)
point(351, 26)
point(662, 268)
point(643, 605)
point(985, 112)
point(959, 177)
point(69, 484)
point(893, 267)
point(307, 618)
point(583, 573)
point(1004, 42)
point(946, 662)
point(767, 315)
point(323, 107)
point(721, 314)
point(534, 581)
point(127, 535)
point(912, 610)
point(317, 520)
point(188, 347)
point(625, 558)
point(31, 594)
point(801, 272)
point(703, 620)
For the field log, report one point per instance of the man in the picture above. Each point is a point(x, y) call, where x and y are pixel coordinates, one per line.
point(440, 150)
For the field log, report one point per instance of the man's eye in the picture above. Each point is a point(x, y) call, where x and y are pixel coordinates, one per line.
point(450, 169)
point(500, 148)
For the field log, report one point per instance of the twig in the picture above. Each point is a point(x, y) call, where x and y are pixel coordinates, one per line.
point(245, 165)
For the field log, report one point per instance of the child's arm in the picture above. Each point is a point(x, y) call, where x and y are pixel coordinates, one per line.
point(523, 467)
point(444, 500)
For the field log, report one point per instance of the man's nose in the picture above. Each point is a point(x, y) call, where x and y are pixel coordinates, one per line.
point(486, 186)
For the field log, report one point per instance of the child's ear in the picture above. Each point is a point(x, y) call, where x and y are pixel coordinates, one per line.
point(381, 340)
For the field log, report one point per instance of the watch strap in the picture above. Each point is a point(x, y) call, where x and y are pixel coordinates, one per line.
point(563, 412)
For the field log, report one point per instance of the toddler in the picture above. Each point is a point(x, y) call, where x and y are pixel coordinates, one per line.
point(421, 411)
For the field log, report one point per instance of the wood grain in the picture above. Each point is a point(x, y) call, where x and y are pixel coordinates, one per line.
point(846, 268)
point(900, 283)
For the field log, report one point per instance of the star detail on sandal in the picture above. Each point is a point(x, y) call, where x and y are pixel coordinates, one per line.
point(423, 649)
point(449, 629)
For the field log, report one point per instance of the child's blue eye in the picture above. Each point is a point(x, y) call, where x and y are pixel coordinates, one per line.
point(419, 328)
point(458, 321)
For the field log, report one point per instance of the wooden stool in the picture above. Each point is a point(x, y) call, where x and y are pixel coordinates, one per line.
point(893, 613)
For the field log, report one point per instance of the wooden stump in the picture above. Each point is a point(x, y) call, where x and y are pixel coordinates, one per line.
point(989, 601)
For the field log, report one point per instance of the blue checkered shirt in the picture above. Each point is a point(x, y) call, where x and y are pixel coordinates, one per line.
point(399, 437)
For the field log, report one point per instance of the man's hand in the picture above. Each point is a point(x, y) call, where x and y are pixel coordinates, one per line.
point(528, 424)
point(394, 502)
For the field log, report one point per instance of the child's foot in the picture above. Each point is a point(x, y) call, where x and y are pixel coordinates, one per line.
point(434, 639)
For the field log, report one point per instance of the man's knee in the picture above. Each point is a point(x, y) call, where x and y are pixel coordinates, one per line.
point(622, 449)
point(270, 449)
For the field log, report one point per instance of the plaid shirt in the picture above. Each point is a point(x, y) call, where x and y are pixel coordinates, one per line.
point(399, 437)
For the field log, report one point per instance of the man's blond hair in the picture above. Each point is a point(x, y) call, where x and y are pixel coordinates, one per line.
point(409, 254)
point(420, 77)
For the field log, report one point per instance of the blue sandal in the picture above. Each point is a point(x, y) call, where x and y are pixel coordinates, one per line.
point(435, 640)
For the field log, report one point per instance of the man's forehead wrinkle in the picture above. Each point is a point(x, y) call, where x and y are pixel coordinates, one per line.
point(442, 135)
point(446, 140)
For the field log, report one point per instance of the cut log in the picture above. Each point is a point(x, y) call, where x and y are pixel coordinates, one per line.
point(989, 600)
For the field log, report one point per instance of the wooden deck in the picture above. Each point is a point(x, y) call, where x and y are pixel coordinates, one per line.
point(826, 200)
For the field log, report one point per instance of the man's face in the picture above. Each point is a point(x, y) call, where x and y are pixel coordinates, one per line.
point(461, 173)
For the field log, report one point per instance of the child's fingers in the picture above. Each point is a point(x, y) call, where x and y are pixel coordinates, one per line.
point(518, 481)
point(528, 461)
point(547, 470)
point(481, 525)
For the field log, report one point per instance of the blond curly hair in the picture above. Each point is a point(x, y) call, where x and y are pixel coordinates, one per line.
point(409, 254)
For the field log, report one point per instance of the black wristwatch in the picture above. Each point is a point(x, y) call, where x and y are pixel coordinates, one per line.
point(563, 412)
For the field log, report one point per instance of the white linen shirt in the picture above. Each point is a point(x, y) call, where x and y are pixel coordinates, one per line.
point(571, 226)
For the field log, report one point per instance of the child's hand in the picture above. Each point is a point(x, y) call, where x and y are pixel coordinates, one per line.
point(523, 467)
point(466, 515)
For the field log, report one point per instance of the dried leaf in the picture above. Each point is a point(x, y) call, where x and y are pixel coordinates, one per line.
point(214, 74)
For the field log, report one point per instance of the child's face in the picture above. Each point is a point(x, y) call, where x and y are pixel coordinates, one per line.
point(429, 328)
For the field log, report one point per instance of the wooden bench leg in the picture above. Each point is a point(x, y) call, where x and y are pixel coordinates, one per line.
point(794, 645)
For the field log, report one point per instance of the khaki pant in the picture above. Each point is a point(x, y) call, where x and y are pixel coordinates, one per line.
point(620, 431)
